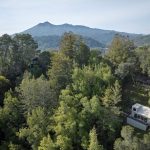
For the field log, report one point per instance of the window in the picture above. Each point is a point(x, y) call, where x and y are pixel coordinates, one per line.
point(145, 119)
point(138, 116)
point(142, 118)
point(135, 115)
point(134, 109)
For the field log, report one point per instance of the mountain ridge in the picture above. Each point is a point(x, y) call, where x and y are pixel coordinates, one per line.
point(103, 37)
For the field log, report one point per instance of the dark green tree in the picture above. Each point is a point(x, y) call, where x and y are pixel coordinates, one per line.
point(68, 44)
point(143, 54)
point(60, 72)
point(26, 48)
point(11, 119)
point(95, 57)
point(8, 51)
point(82, 54)
point(73, 47)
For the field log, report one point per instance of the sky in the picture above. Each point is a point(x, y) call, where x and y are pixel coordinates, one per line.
point(131, 16)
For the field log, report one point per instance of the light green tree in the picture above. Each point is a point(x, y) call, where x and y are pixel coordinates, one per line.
point(37, 92)
point(94, 144)
point(129, 140)
point(92, 81)
point(47, 144)
point(120, 50)
point(112, 97)
point(37, 127)
point(65, 119)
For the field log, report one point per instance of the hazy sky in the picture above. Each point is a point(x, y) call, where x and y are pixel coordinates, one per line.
point(121, 15)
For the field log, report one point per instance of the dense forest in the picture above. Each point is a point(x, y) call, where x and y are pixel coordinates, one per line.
point(74, 98)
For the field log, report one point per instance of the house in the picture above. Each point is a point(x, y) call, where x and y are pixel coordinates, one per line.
point(139, 117)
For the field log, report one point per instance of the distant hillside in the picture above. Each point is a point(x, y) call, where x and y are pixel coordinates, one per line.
point(50, 42)
point(142, 40)
point(48, 35)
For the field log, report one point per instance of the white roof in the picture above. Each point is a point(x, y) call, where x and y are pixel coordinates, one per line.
point(142, 110)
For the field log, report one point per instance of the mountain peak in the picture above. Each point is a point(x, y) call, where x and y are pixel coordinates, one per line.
point(67, 24)
point(46, 23)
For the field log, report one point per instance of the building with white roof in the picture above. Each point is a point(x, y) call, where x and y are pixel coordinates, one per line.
point(139, 117)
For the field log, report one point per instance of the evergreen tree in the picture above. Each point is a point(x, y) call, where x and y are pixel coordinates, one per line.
point(65, 121)
point(112, 97)
point(37, 127)
point(60, 72)
point(92, 81)
point(11, 119)
point(37, 92)
point(47, 144)
point(143, 54)
point(120, 50)
point(94, 145)
point(67, 45)
point(72, 46)
point(129, 140)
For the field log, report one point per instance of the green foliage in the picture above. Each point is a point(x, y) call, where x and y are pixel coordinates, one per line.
point(14, 146)
point(130, 141)
point(72, 46)
point(92, 81)
point(128, 68)
point(60, 72)
point(15, 54)
point(45, 61)
point(145, 141)
point(67, 45)
point(3, 82)
point(82, 54)
point(66, 93)
point(37, 92)
point(149, 97)
point(112, 97)
point(47, 144)
point(94, 145)
point(26, 47)
point(7, 55)
point(119, 50)
point(4, 86)
point(143, 54)
point(95, 57)
point(10, 118)
point(65, 121)
point(39, 65)
point(37, 127)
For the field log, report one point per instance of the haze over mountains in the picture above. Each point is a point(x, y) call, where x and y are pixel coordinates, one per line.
point(49, 35)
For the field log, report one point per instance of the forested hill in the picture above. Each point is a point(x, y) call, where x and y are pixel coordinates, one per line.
point(53, 42)
point(71, 99)
point(142, 40)
point(45, 33)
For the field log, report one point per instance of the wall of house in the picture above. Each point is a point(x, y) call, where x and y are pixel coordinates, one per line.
point(136, 123)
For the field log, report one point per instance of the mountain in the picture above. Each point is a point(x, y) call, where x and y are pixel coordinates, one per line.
point(142, 40)
point(53, 41)
point(48, 35)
